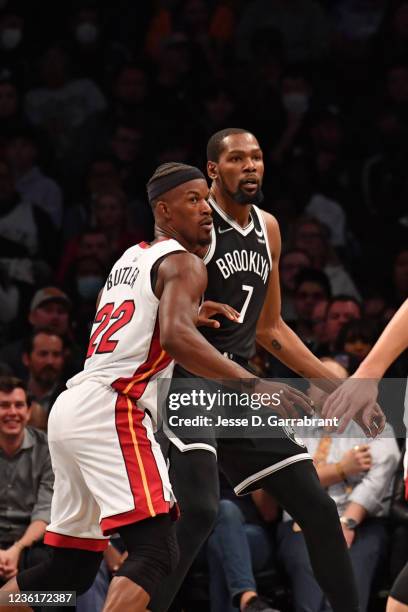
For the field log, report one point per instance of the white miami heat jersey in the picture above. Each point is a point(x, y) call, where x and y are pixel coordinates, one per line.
point(124, 349)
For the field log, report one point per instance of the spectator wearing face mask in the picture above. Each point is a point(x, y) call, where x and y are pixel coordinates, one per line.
point(13, 47)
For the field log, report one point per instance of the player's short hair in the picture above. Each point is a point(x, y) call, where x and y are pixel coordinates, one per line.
point(215, 146)
point(167, 170)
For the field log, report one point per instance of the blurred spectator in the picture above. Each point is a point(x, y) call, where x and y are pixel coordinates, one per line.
point(44, 358)
point(355, 340)
point(126, 148)
point(91, 243)
point(193, 18)
point(102, 174)
point(341, 310)
point(26, 481)
point(87, 276)
point(15, 53)
point(296, 93)
point(312, 236)
point(50, 308)
point(290, 264)
point(355, 22)
point(319, 314)
point(303, 24)
point(111, 215)
point(358, 473)
point(392, 43)
point(27, 239)
point(62, 103)
point(311, 287)
point(10, 111)
point(399, 522)
point(32, 184)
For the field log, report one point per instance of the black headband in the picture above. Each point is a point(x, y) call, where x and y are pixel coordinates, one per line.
point(170, 181)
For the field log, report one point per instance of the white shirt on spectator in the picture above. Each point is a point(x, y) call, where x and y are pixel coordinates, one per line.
point(43, 191)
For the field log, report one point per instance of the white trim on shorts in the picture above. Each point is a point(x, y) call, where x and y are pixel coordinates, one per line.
point(270, 470)
point(182, 447)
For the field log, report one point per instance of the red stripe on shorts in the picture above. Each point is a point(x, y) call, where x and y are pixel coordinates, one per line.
point(64, 541)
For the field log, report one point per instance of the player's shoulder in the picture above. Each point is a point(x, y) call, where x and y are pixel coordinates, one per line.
point(270, 221)
point(182, 262)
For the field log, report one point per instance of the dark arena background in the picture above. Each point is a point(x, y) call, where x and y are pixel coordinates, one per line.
point(93, 97)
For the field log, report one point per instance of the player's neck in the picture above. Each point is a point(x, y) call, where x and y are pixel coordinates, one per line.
point(161, 234)
point(239, 212)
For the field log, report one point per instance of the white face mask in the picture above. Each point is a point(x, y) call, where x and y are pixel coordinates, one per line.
point(11, 37)
point(86, 33)
point(295, 103)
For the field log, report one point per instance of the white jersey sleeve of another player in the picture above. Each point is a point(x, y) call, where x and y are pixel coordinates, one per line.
point(124, 348)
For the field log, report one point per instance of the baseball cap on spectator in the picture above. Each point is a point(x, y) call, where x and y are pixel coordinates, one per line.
point(48, 294)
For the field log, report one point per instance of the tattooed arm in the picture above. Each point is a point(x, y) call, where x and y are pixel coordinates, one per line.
point(274, 335)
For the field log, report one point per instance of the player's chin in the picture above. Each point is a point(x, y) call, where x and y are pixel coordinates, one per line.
point(204, 237)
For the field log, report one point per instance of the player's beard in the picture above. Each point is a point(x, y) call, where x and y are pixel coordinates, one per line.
point(240, 197)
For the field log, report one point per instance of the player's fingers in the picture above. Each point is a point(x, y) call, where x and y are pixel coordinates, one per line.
point(288, 407)
point(303, 401)
point(209, 323)
point(331, 402)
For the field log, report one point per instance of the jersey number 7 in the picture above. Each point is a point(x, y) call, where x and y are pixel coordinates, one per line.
point(110, 321)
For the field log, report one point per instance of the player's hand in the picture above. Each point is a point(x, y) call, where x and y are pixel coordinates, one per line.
point(113, 558)
point(356, 460)
point(290, 399)
point(209, 309)
point(356, 399)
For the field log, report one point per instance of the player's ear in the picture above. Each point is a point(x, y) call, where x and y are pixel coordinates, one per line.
point(212, 170)
point(162, 208)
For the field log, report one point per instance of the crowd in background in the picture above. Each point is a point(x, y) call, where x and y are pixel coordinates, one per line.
point(93, 96)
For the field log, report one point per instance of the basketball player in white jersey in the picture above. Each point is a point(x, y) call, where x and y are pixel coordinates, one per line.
point(360, 392)
point(110, 475)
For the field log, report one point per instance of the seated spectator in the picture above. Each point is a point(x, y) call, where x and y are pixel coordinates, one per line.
point(311, 288)
point(90, 243)
point(239, 545)
point(101, 174)
point(51, 308)
point(27, 240)
point(319, 314)
point(290, 264)
point(341, 310)
point(399, 522)
point(112, 216)
point(44, 359)
point(31, 183)
point(62, 103)
point(355, 340)
point(312, 236)
point(358, 473)
point(26, 481)
point(10, 111)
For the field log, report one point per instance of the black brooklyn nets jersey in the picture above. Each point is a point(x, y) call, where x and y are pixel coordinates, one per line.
point(238, 264)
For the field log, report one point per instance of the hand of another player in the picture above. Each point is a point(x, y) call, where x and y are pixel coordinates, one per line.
point(356, 460)
point(208, 309)
point(290, 399)
point(356, 399)
point(114, 559)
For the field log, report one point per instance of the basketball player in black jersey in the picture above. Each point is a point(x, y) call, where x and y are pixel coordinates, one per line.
point(242, 263)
